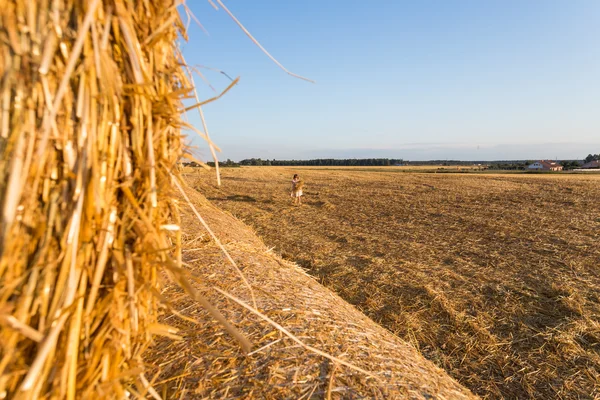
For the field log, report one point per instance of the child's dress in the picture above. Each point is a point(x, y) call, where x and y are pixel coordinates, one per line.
point(296, 188)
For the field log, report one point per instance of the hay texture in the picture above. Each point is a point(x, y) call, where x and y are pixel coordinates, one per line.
point(89, 131)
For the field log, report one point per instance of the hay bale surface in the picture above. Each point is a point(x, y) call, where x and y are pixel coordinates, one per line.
point(89, 132)
point(207, 363)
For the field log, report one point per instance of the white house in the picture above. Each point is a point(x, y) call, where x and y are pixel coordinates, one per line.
point(544, 165)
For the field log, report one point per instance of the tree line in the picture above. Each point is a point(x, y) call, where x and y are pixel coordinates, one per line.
point(496, 165)
point(592, 157)
point(523, 165)
point(326, 162)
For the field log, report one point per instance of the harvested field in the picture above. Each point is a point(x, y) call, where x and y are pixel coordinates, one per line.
point(492, 277)
point(208, 364)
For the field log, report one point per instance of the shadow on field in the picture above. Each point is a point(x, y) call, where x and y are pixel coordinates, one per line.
point(320, 204)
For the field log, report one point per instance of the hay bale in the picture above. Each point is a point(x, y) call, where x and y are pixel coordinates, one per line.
point(89, 130)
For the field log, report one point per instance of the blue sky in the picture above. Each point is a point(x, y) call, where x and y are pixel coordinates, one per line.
point(421, 79)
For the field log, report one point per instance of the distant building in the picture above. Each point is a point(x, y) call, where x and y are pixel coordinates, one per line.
point(544, 165)
point(591, 165)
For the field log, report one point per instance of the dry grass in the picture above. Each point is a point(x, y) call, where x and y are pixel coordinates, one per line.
point(493, 277)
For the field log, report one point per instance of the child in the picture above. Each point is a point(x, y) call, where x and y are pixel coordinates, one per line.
point(297, 189)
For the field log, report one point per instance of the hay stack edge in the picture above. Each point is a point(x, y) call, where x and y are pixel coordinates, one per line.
point(101, 294)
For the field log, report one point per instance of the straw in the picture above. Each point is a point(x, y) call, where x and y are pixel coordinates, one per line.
point(257, 43)
point(89, 132)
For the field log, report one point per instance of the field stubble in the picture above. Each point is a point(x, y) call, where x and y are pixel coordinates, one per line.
point(494, 278)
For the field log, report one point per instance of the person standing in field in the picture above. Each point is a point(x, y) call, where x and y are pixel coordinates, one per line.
point(297, 189)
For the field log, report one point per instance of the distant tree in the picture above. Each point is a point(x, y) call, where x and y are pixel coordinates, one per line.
point(569, 164)
point(224, 164)
point(592, 157)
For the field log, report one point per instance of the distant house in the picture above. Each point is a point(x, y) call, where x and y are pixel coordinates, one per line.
point(544, 165)
point(591, 165)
